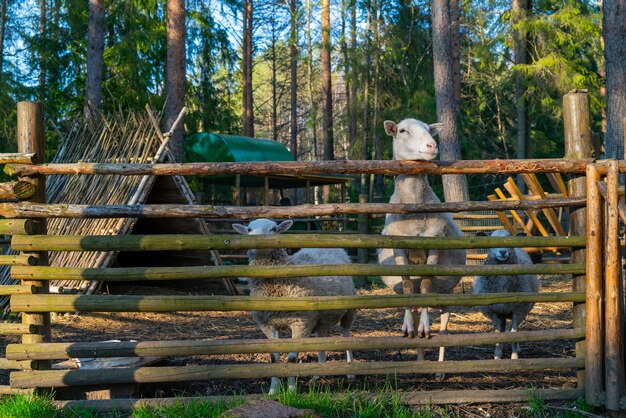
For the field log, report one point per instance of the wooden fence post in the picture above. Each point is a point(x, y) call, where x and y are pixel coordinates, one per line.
point(31, 139)
point(362, 253)
point(594, 359)
point(577, 132)
point(614, 352)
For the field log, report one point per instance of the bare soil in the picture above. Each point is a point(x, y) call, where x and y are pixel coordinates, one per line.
point(383, 322)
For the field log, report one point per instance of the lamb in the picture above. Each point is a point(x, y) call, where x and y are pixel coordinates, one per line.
point(498, 313)
point(413, 140)
point(301, 323)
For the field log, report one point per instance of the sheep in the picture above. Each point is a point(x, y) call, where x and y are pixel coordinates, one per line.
point(301, 323)
point(498, 313)
point(413, 140)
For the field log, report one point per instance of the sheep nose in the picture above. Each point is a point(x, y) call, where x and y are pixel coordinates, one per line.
point(432, 146)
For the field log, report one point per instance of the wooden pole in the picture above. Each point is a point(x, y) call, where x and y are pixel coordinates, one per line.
point(134, 303)
point(390, 167)
point(577, 132)
point(614, 353)
point(177, 242)
point(18, 260)
point(17, 158)
point(363, 228)
point(16, 190)
point(31, 139)
point(33, 210)
point(82, 377)
point(594, 357)
point(123, 274)
point(18, 226)
point(67, 350)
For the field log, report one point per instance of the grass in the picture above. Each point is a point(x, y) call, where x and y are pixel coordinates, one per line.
point(319, 399)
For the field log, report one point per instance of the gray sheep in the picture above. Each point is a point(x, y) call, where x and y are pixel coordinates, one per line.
point(499, 312)
point(302, 324)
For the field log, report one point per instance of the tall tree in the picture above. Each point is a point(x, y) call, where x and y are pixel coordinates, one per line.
point(613, 18)
point(293, 68)
point(175, 74)
point(246, 71)
point(312, 103)
point(95, 52)
point(520, 9)
point(365, 179)
point(42, 50)
point(3, 28)
point(377, 190)
point(327, 93)
point(455, 186)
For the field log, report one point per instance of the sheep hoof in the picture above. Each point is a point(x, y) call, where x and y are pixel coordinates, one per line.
point(410, 334)
point(350, 377)
point(440, 376)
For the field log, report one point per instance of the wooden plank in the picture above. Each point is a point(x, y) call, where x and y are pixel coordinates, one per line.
point(556, 180)
point(10, 328)
point(6, 290)
point(517, 194)
point(124, 274)
point(67, 350)
point(17, 158)
point(62, 378)
point(38, 210)
point(407, 398)
point(17, 226)
point(503, 218)
point(533, 185)
point(179, 242)
point(621, 207)
point(594, 355)
point(614, 351)
point(134, 303)
point(16, 190)
point(6, 364)
point(514, 214)
point(18, 260)
point(8, 390)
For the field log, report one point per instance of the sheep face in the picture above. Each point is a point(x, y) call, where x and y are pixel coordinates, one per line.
point(500, 255)
point(413, 139)
point(263, 227)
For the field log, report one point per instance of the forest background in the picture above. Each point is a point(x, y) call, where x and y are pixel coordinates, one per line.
point(318, 76)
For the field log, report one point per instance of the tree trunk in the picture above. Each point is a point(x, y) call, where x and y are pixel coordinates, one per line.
point(455, 186)
point(520, 8)
point(246, 71)
point(175, 74)
point(377, 190)
point(365, 184)
point(613, 17)
point(327, 94)
point(352, 125)
point(455, 18)
point(42, 58)
point(3, 25)
point(312, 103)
point(95, 51)
point(274, 82)
point(293, 49)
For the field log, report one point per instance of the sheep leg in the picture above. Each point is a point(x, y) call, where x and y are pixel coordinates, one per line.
point(515, 347)
point(499, 325)
point(423, 330)
point(443, 329)
point(272, 333)
point(321, 355)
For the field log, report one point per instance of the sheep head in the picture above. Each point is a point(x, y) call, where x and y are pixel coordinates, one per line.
point(500, 255)
point(263, 226)
point(413, 139)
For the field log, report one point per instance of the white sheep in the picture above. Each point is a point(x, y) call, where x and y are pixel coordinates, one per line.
point(413, 140)
point(498, 313)
point(302, 324)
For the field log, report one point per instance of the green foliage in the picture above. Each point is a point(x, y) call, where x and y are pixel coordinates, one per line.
point(27, 407)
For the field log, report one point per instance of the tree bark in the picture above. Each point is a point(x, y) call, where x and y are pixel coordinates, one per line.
point(312, 103)
point(327, 94)
point(3, 26)
point(246, 70)
point(42, 59)
point(455, 18)
point(274, 81)
point(520, 8)
point(365, 183)
point(455, 187)
point(95, 51)
point(377, 190)
point(613, 17)
point(176, 74)
point(293, 52)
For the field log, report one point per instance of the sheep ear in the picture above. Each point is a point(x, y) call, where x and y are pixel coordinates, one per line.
point(242, 229)
point(435, 128)
point(390, 128)
point(283, 226)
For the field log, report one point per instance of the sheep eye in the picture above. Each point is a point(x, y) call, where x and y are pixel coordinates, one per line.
point(402, 130)
point(249, 229)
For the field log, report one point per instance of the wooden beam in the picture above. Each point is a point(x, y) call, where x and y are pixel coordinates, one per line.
point(67, 350)
point(133, 303)
point(34, 210)
point(17, 158)
point(67, 378)
point(16, 190)
point(18, 226)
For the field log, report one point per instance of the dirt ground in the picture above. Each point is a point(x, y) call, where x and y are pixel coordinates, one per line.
point(383, 322)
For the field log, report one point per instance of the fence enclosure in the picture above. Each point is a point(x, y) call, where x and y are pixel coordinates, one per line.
point(596, 296)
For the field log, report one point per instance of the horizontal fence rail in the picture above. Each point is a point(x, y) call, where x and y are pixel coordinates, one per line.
point(40, 210)
point(549, 165)
point(17, 158)
point(228, 242)
point(60, 351)
point(125, 274)
point(133, 303)
point(64, 378)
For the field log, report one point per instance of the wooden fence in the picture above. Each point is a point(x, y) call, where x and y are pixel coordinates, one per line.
point(596, 294)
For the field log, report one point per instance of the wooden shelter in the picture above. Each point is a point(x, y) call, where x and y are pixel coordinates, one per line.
point(134, 138)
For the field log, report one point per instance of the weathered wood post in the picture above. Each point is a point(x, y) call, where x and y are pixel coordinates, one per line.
point(594, 358)
point(577, 132)
point(613, 347)
point(31, 139)
point(362, 253)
